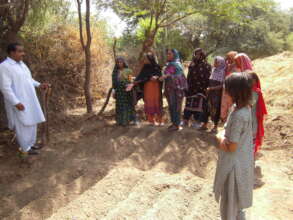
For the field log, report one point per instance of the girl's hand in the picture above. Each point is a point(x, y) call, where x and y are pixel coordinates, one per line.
point(222, 142)
point(220, 136)
point(154, 78)
point(226, 145)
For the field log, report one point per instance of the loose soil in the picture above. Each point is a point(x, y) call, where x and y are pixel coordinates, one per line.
point(94, 170)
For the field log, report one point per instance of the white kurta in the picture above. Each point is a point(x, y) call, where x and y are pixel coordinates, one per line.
point(18, 86)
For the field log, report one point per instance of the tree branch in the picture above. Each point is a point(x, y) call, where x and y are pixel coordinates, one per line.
point(23, 16)
point(79, 2)
point(160, 12)
point(176, 20)
point(114, 48)
point(166, 18)
point(88, 24)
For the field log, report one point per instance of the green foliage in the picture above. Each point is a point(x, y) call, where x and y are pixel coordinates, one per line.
point(46, 12)
point(145, 25)
point(254, 26)
point(132, 11)
point(289, 42)
point(290, 14)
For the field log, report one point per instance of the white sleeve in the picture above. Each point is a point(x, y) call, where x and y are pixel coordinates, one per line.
point(5, 87)
point(36, 83)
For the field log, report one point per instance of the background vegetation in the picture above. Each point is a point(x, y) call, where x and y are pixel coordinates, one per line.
point(258, 27)
point(49, 30)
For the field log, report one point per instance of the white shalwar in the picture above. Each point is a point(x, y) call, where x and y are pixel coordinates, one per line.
point(18, 86)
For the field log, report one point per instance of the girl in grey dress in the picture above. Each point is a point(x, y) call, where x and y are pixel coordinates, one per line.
point(234, 177)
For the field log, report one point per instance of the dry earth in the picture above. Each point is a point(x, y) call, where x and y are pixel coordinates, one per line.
point(95, 170)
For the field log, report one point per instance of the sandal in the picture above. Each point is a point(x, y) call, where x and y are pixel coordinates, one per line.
point(214, 130)
point(37, 147)
point(173, 128)
point(202, 128)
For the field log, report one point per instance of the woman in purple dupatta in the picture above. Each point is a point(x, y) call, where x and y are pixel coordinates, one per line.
point(215, 90)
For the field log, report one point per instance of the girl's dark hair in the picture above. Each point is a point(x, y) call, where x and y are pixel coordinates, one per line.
point(238, 86)
point(253, 76)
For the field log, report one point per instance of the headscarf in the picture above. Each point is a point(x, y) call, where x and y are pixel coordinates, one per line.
point(199, 72)
point(202, 56)
point(122, 60)
point(175, 65)
point(231, 55)
point(218, 72)
point(230, 62)
point(177, 81)
point(149, 70)
point(116, 71)
point(261, 111)
point(243, 62)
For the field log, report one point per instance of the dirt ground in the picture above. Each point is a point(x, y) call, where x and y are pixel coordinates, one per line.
point(95, 170)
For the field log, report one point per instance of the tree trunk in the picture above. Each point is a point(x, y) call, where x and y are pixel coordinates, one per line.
point(146, 47)
point(87, 51)
point(87, 82)
point(3, 118)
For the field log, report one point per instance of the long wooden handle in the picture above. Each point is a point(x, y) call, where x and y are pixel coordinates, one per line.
point(106, 102)
point(48, 94)
point(45, 127)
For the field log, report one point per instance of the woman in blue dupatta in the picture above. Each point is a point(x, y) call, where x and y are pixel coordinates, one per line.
point(175, 87)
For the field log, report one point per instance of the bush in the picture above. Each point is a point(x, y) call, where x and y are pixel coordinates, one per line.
point(57, 57)
point(289, 42)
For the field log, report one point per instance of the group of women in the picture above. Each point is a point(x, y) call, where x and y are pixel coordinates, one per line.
point(203, 89)
point(206, 98)
point(150, 81)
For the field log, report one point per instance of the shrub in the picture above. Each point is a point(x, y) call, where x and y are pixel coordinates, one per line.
point(57, 57)
point(289, 42)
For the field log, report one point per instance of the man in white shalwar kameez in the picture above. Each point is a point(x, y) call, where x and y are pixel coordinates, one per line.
point(23, 109)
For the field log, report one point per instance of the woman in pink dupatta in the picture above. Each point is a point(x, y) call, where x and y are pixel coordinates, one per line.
point(235, 62)
point(243, 62)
